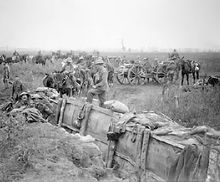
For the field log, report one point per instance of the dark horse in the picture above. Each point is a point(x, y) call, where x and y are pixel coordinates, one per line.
point(39, 59)
point(189, 67)
point(65, 83)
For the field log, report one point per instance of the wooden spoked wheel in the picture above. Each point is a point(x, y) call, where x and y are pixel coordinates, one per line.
point(122, 77)
point(137, 75)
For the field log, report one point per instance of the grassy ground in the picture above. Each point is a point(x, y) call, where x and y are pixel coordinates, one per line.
point(195, 108)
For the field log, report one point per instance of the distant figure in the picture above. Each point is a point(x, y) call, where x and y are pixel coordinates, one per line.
point(196, 67)
point(15, 56)
point(15, 53)
point(6, 74)
point(100, 87)
point(174, 55)
point(2, 58)
point(17, 89)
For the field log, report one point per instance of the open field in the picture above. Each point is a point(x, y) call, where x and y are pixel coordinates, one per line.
point(195, 108)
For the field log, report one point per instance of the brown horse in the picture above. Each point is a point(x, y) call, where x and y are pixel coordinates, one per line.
point(188, 67)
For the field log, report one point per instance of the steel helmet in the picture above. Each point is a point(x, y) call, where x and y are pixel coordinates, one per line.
point(99, 61)
point(69, 60)
point(81, 58)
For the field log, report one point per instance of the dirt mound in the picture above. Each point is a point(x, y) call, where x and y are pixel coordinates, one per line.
point(43, 152)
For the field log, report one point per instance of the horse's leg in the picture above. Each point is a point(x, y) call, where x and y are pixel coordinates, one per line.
point(187, 78)
point(197, 75)
point(194, 78)
point(182, 78)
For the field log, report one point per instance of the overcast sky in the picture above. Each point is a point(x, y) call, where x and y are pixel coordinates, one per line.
point(102, 24)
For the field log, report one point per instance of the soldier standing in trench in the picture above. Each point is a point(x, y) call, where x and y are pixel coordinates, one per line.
point(17, 89)
point(100, 87)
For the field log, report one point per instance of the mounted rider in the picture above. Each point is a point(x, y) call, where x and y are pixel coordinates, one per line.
point(174, 55)
point(69, 70)
point(15, 55)
point(68, 66)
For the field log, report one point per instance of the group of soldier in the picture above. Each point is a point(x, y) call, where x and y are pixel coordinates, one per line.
point(22, 99)
point(99, 85)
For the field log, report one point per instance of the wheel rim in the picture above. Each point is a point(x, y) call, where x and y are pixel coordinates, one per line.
point(122, 78)
point(137, 75)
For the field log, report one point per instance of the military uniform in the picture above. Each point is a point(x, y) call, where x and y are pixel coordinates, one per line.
point(101, 85)
point(68, 66)
point(45, 111)
point(21, 103)
point(174, 55)
point(17, 89)
point(6, 75)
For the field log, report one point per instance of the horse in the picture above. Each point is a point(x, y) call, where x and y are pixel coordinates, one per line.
point(39, 59)
point(48, 81)
point(65, 83)
point(188, 67)
point(111, 72)
point(82, 78)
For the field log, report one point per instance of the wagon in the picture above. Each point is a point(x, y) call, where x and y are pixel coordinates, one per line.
point(128, 142)
point(139, 73)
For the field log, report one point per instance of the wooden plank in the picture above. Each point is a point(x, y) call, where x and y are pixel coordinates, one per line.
point(62, 112)
point(161, 139)
point(69, 127)
point(144, 150)
point(84, 124)
point(127, 158)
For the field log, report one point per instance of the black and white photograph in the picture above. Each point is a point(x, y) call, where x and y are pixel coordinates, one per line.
point(109, 90)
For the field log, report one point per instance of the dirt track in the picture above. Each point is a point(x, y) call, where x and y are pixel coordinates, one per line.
point(137, 98)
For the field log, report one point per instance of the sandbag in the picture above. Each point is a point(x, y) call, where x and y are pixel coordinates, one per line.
point(42, 89)
point(116, 106)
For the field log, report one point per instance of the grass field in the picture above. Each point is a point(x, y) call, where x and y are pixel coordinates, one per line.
point(195, 108)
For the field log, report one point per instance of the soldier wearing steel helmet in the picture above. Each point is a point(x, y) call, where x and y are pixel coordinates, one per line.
point(100, 87)
point(68, 66)
point(23, 100)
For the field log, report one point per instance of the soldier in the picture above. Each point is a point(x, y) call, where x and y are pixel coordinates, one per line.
point(15, 53)
point(6, 74)
point(80, 61)
point(100, 87)
point(15, 56)
point(23, 100)
point(68, 66)
point(174, 55)
point(43, 108)
point(17, 88)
